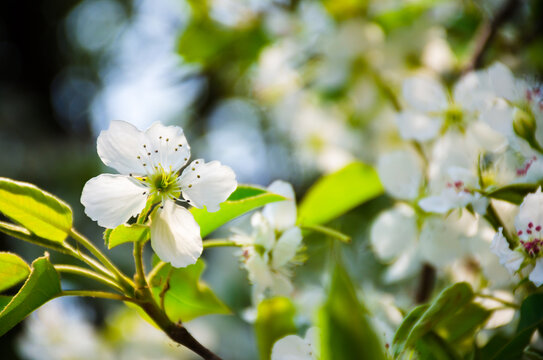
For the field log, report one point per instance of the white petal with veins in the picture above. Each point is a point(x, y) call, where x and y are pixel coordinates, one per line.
point(401, 174)
point(168, 146)
point(207, 184)
point(175, 235)
point(113, 199)
point(536, 276)
point(418, 126)
point(119, 147)
point(286, 247)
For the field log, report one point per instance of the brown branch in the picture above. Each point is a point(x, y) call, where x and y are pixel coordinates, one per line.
point(487, 31)
point(426, 283)
point(177, 332)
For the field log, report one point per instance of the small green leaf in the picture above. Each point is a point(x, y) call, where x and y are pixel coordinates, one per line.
point(275, 320)
point(243, 200)
point(13, 270)
point(405, 328)
point(186, 297)
point(335, 194)
point(531, 316)
point(38, 211)
point(20, 232)
point(126, 233)
point(4, 300)
point(445, 306)
point(346, 331)
point(432, 346)
point(42, 285)
point(464, 323)
point(513, 193)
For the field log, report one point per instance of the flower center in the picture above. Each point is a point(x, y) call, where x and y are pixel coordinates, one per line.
point(533, 244)
point(454, 116)
point(458, 186)
point(164, 184)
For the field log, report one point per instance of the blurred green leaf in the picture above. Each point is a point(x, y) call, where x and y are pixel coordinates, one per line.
point(4, 300)
point(342, 9)
point(13, 270)
point(335, 194)
point(38, 211)
point(432, 346)
point(243, 200)
point(185, 296)
point(275, 320)
point(42, 285)
point(346, 331)
point(126, 233)
point(465, 322)
point(445, 306)
point(513, 193)
point(404, 15)
point(398, 342)
point(531, 317)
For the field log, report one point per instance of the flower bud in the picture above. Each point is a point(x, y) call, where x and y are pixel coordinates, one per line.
point(524, 124)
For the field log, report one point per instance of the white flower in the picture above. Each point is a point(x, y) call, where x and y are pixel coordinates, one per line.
point(529, 227)
point(268, 258)
point(401, 174)
point(293, 347)
point(150, 166)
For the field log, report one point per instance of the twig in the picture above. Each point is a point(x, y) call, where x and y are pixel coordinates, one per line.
point(487, 31)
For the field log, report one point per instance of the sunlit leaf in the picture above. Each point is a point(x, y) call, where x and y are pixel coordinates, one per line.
point(42, 285)
point(185, 296)
point(335, 194)
point(432, 346)
point(13, 270)
point(346, 330)
point(405, 328)
point(243, 200)
point(126, 233)
point(21, 233)
point(275, 320)
point(38, 211)
point(465, 322)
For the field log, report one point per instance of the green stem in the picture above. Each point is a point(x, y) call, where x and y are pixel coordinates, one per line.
point(501, 301)
point(139, 277)
point(71, 269)
point(155, 271)
point(124, 281)
point(328, 231)
point(219, 242)
point(97, 294)
point(88, 260)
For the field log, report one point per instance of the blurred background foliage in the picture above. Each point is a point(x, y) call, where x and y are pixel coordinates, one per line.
point(288, 89)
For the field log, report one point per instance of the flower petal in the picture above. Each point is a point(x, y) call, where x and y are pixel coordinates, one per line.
point(175, 235)
point(424, 93)
point(263, 233)
point(508, 258)
point(259, 272)
point(393, 232)
point(530, 212)
point(401, 174)
point(418, 126)
point(473, 91)
point(536, 276)
point(168, 146)
point(207, 184)
point(282, 214)
point(113, 199)
point(119, 147)
point(291, 347)
point(286, 247)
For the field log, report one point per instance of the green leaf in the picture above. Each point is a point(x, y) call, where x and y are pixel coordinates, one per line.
point(465, 322)
point(445, 306)
point(42, 285)
point(432, 346)
point(243, 200)
point(4, 300)
point(126, 233)
point(398, 342)
point(275, 320)
point(20, 232)
point(335, 194)
point(513, 193)
point(346, 331)
point(38, 211)
point(13, 270)
point(186, 297)
point(531, 316)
